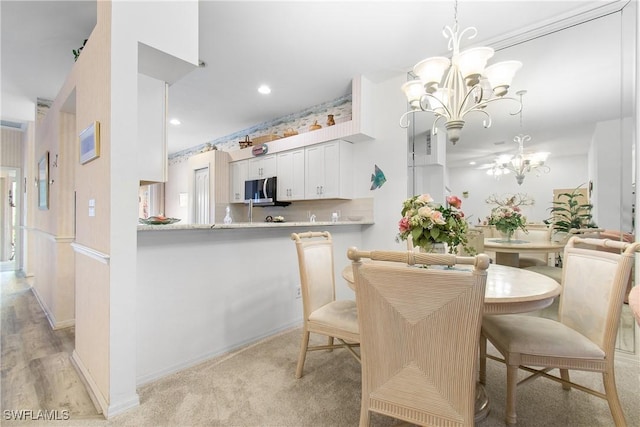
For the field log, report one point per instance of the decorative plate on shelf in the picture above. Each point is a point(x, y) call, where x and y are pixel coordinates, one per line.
point(157, 220)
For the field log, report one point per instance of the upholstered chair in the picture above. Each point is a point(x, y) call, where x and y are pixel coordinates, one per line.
point(322, 313)
point(534, 233)
point(583, 338)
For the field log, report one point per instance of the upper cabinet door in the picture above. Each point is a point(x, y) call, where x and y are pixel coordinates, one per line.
point(290, 165)
point(239, 173)
point(328, 172)
point(152, 129)
point(262, 167)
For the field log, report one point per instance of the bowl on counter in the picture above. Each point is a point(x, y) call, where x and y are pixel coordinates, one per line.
point(158, 220)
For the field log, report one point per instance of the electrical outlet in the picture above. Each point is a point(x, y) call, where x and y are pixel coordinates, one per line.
point(298, 292)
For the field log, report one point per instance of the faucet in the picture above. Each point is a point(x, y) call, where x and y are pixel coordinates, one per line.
point(251, 211)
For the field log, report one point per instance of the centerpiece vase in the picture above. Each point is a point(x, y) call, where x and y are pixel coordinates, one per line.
point(434, 248)
point(507, 235)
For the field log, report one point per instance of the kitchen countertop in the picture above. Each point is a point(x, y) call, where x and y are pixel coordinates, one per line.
point(243, 225)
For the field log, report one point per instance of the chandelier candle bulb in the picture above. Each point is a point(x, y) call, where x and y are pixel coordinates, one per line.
point(453, 88)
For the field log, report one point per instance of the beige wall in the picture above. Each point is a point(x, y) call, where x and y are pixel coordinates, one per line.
point(63, 278)
point(11, 144)
point(101, 87)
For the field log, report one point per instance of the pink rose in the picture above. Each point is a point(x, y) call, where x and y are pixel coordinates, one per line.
point(403, 225)
point(426, 198)
point(454, 201)
point(436, 217)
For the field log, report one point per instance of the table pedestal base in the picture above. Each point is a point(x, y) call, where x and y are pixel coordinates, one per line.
point(507, 258)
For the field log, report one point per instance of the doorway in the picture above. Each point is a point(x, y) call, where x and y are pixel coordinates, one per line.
point(201, 196)
point(10, 201)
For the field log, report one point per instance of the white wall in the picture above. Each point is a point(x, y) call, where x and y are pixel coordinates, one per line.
point(203, 293)
point(389, 151)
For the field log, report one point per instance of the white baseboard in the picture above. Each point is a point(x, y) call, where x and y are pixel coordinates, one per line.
point(97, 398)
point(196, 361)
point(50, 317)
point(123, 406)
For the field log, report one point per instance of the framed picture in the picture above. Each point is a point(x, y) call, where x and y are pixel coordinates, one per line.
point(43, 182)
point(90, 143)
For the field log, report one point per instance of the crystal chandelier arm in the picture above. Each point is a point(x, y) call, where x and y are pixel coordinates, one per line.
point(405, 117)
point(425, 105)
point(479, 108)
point(480, 105)
point(434, 127)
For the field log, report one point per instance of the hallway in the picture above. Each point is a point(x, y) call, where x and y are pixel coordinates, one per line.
point(38, 379)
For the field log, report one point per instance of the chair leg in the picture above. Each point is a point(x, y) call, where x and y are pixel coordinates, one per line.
point(330, 342)
point(365, 420)
point(609, 380)
point(303, 353)
point(512, 384)
point(482, 370)
point(564, 374)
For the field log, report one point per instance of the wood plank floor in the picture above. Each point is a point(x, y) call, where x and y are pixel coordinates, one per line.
point(36, 370)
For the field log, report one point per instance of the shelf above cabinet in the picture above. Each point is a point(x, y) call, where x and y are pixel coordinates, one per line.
point(358, 129)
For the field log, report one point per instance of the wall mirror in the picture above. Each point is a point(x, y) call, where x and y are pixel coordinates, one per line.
point(579, 106)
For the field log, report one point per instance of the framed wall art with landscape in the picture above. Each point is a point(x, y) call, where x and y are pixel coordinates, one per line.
point(90, 143)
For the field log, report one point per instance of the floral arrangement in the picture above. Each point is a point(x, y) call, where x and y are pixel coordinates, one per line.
point(507, 219)
point(427, 222)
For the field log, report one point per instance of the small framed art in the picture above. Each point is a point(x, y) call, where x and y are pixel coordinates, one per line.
point(90, 143)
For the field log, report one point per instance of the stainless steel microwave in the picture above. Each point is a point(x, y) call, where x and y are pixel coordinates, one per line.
point(262, 192)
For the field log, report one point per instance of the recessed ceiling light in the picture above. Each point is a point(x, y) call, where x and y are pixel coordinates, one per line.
point(472, 162)
point(264, 89)
point(175, 122)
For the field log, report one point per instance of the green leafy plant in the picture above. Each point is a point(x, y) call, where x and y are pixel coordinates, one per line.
point(568, 213)
point(76, 53)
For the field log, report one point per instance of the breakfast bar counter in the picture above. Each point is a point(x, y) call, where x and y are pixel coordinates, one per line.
point(244, 225)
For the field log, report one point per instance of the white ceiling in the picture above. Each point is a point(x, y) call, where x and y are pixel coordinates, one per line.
point(308, 52)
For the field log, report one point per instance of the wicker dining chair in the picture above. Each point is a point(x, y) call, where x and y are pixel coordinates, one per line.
point(322, 313)
point(583, 338)
point(419, 331)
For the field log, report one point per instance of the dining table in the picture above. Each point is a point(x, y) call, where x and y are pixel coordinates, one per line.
point(508, 290)
point(508, 251)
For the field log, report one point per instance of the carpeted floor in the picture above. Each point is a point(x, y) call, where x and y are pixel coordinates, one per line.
point(256, 386)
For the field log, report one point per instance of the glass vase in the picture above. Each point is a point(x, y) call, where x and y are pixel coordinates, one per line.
point(507, 235)
point(435, 248)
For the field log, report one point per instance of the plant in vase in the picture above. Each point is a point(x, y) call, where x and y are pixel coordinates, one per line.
point(507, 219)
point(428, 223)
point(570, 212)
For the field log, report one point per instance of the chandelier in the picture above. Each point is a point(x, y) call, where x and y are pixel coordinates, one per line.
point(522, 162)
point(452, 88)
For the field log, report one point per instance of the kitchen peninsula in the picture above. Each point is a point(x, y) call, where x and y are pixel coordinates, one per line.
point(241, 225)
point(204, 290)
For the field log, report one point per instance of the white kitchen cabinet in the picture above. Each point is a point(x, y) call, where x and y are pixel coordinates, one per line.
point(262, 167)
point(290, 173)
point(328, 171)
point(152, 133)
point(239, 174)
